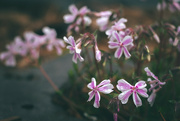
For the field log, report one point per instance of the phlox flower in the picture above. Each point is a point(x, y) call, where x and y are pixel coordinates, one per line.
point(52, 41)
point(15, 48)
point(118, 26)
point(77, 17)
point(104, 87)
point(103, 21)
point(73, 49)
point(33, 44)
point(155, 85)
point(121, 45)
point(127, 89)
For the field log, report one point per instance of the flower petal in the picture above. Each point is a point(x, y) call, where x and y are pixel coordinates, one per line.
point(126, 52)
point(124, 96)
point(151, 98)
point(106, 89)
point(140, 84)
point(136, 99)
point(127, 40)
point(92, 85)
point(113, 45)
point(117, 36)
point(73, 9)
point(91, 95)
point(123, 85)
point(97, 99)
point(104, 82)
point(142, 92)
point(118, 52)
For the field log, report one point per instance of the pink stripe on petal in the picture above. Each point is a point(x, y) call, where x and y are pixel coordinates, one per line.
point(91, 95)
point(126, 53)
point(93, 83)
point(72, 41)
point(116, 35)
point(74, 59)
point(142, 92)
point(104, 82)
point(106, 89)
point(113, 45)
point(140, 84)
point(124, 96)
point(136, 99)
point(97, 99)
point(118, 52)
point(123, 85)
point(127, 40)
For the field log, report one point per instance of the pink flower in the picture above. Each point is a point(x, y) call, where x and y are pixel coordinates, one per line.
point(104, 87)
point(74, 49)
point(121, 45)
point(103, 21)
point(127, 89)
point(69, 18)
point(52, 41)
point(152, 97)
point(118, 26)
point(174, 6)
point(15, 48)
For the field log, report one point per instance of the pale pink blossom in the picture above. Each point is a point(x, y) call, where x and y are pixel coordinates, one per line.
point(174, 6)
point(104, 87)
point(127, 89)
point(152, 98)
point(121, 44)
point(103, 21)
point(52, 41)
point(161, 6)
point(15, 48)
point(118, 26)
point(73, 48)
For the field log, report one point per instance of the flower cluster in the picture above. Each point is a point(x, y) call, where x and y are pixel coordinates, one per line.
point(31, 46)
point(172, 5)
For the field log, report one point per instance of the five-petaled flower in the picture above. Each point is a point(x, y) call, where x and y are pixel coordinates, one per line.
point(74, 49)
point(127, 89)
point(121, 45)
point(104, 87)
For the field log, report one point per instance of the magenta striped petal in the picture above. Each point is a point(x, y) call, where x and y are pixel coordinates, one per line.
point(91, 95)
point(118, 52)
point(136, 99)
point(116, 35)
point(126, 53)
point(92, 85)
point(74, 59)
point(142, 92)
point(97, 99)
point(123, 85)
point(72, 41)
point(124, 96)
point(104, 82)
point(106, 89)
point(140, 84)
point(127, 40)
point(113, 45)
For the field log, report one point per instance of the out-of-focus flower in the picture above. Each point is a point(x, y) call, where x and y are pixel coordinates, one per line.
point(98, 53)
point(172, 5)
point(103, 21)
point(121, 45)
point(155, 85)
point(74, 49)
point(104, 87)
point(15, 48)
point(127, 89)
point(118, 26)
point(52, 41)
point(155, 36)
point(77, 17)
point(161, 6)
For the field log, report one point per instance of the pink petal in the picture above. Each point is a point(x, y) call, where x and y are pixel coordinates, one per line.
point(98, 55)
point(80, 58)
point(124, 96)
point(123, 85)
point(91, 95)
point(106, 89)
point(104, 82)
point(72, 41)
point(140, 84)
point(92, 85)
point(74, 59)
point(151, 98)
point(83, 10)
point(136, 99)
point(116, 35)
point(126, 53)
point(118, 52)
point(97, 99)
point(127, 40)
point(73, 9)
point(142, 92)
point(113, 45)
